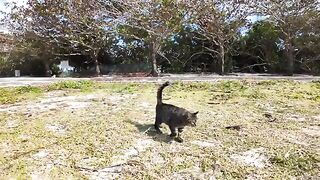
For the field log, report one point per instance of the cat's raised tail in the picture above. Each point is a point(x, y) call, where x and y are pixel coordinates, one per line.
point(159, 93)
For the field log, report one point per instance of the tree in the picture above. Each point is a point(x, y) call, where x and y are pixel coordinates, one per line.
point(307, 44)
point(6, 43)
point(75, 27)
point(30, 47)
point(183, 50)
point(262, 41)
point(291, 17)
point(219, 23)
point(159, 19)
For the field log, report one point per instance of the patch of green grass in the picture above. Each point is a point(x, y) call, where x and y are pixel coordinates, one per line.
point(63, 85)
point(231, 86)
point(125, 88)
point(28, 89)
point(297, 163)
point(316, 84)
point(180, 86)
point(17, 94)
point(207, 163)
point(221, 86)
point(251, 94)
point(267, 83)
point(21, 170)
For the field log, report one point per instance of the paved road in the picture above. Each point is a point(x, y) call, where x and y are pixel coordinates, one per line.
point(23, 81)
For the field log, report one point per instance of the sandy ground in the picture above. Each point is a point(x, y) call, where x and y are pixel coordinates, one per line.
point(67, 134)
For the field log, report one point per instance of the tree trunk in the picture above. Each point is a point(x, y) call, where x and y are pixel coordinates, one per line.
point(154, 65)
point(153, 58)
point(47, 69)
point(268, 58)
point(290, 58)
point(97, 67)
point(222, 59)
point(96, 64)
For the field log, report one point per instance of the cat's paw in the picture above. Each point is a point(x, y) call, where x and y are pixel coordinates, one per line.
point(178, 139)
point(173, 135)
point(159, 132)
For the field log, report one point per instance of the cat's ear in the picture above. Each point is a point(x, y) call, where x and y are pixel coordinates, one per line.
point(196, 113)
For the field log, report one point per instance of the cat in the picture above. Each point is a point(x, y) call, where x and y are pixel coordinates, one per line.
point(175, 117)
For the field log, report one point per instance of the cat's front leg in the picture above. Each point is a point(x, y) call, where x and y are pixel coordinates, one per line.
point(173, 131)
point(179, 139)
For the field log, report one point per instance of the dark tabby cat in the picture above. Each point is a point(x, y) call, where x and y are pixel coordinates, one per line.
point(175, 117)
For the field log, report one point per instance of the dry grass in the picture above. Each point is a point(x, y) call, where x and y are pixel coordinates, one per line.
point(96, 130)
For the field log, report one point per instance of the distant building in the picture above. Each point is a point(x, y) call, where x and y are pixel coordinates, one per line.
point(65, 67)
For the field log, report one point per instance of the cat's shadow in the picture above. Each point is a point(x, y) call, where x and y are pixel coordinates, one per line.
point(150, 131)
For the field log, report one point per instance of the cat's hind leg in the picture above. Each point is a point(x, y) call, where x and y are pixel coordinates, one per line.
point(157, 125)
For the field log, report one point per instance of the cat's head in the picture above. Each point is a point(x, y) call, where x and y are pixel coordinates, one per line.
point(192, 119)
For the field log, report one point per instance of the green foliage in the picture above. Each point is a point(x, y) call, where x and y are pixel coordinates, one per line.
point(308, 43)
point(183, 52)
point(55, 70)
point(4, 66)
point(178, 35)
point(60, 30)
point(264, 31)
point(262, 41)
point(2, 62)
